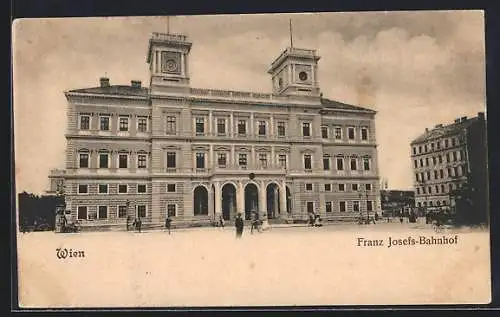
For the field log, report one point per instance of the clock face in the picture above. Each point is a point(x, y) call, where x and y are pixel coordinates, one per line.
point(303, 76)
point(171, 65)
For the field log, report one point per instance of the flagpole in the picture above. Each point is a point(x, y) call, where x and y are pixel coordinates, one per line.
point(291, 34)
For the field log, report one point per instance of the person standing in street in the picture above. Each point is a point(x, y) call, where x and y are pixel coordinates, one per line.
point(128, 222)
point(168, 223)
point(239, 226)
point(221, 221)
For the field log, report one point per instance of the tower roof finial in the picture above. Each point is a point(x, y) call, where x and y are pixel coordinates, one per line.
point(168, 24)
point(291, 34)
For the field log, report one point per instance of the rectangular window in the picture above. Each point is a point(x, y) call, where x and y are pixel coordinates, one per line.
point(200, 126)
point(123, 124)
point(281, 128)
point(421, 163)
point(103, 188)
point(438, 145)
point(200, 160)
point(453, 142)
point(355, 206)
point(454, 156)
point(104, 123)
point(440, 159)
point(368, 187)
point(326, 163)
point(221, 126)
point(426, 161)
point(83, 189)
point(366, 164)
point(171, 161)
point(354, 164)
point(103, 160)
point(434, 161)
point(307, 162)
point(442, 188)
point(341, 187)
point(122, 211)
point(309, 187)
point(84, 123)
point(432, 146)
point(141, 188)
point(369, 205)
point(263, 160)
point(171, 210)
point(328, 187)
point(342, 206)
point(141, 161)
point(364, 134)
point(103, 212)
point(142, 125)
point(171, 127)
point(419, 149)
point(340, 164)
point(435, 174)
point(338, 133)
point(324, 132)
point(437, 189)
point(282, 160)
point(262, 127)
point(170, 188)
point(415, 163)
point(122, 161)
point(416, 177)
point(242, 159)
point(441, 173)
point(141, 211)
point(446, 143)
point(82, 212)
point(428, 176)
point(425, 148)
point(221, 159)
point(414, 150)
point(310, 207)
point(242, 127)
point(328, 206)
point(84, 160)
point(448, 160)
point(306, 129)
point(350, 133)
point(354, 187)
point(122, 189)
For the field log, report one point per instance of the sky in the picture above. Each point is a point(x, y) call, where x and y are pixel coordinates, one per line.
point(419, 69)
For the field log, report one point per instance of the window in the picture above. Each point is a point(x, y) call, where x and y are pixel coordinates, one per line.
point(84, 122)
point(432, 146)
point(328, 206)
point(426, 161)
point(354, 164)
point(419, 149)
point(84, 160)
point(104, 123)
point(368, 187)
point(366, 164)
point(354, 187)
point(200, 126)
point(450, 187)
point(453, 142)
point(103, 188)
point(442, 188)
point(307, 162)
point(369, 205)
point(415, 163)
point(200, 160)
point(324, 132)
point(282, 160)
point(416, 177)
point(326, 163)
point(141, 188)
point(310, 207)
point(340, 164)
point(425, 148)
point(428, 175)
point(103, 212)
point(242, 127)
point(141, 161)
point(171, 210)
point(83, 189)
point(434, 159)
point(82, 212)
point(423, 190)
point(171, 127)
point(103, 160)
point(438, 145)
point(221, 126)
point(242, 159)
point(355, 206)
point(122, 211)
point(437, 189)
point(440, 159)
point(170, 188)
point(414, 150)
point(341, 187)
point(328, 187)
point(309, 187)
point(123, 123)
point(263, 160)
point(421, 162)
point(342, 206)
point(281, 128)
point(141, 211)
point(221, 159)
point(446, 143)
point(435, 174)
point(350, 133)
point(454, 156)
point(364, 134)
point(338, 133)
point(306, 129)
point(429, 189)
point(122, 161)
point(171, 160)
point(142, 124)
point(262, 127)
point(448, 160)
point(122, 188)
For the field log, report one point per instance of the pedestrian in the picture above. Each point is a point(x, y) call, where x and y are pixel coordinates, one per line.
point(221, 221)
point(138, 224)
point(376, 216)
point(168, 223)
point(128, 223)
point(239, 226)
point(401, 218)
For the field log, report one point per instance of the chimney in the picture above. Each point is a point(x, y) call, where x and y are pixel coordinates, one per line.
point(135, 83)
point(426, 130)
point(104, 81)
point(463, 119)
point(457, 120)
point(480, 115)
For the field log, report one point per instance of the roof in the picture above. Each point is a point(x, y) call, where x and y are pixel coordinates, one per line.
point(332, 104)
point(121, 90)
point(441, 131)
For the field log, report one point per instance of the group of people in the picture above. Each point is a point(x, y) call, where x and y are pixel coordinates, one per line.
point(137, 224)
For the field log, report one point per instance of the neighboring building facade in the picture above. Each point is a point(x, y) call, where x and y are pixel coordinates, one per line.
point(393, 201)
point(56, 182)
point(197, 154)
point(448, 158)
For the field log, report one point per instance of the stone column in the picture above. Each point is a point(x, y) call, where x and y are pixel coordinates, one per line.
point(283, 207)
point(252, 127)
point(232, 159)
point(231, 125)
point(240, 198)
point(271, 126)
point(211, 163)
point(218, 200)
point(210, 122)
point(262, 200)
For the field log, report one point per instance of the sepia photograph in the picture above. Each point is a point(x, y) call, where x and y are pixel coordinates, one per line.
point(251, 160)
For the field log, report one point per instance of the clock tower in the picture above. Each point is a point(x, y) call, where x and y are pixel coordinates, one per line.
point(295, 72)
point(168, 62)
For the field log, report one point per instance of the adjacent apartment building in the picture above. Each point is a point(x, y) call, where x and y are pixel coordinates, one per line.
point(197, 154)
point(448, 159)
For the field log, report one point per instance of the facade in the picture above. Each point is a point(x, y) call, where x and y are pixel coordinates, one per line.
point(198, 154)
point(56, 182)
point(447, 159)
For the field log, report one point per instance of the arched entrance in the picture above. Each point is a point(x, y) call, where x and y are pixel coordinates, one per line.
point(200, 201)
point(228, 201)
point(273, 201)
point(251, 200)
point(288, 200)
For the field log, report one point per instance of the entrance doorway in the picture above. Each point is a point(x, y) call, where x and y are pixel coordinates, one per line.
point(200, 201)
point(251, 200)
point(228, 201)
point(273, 201)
